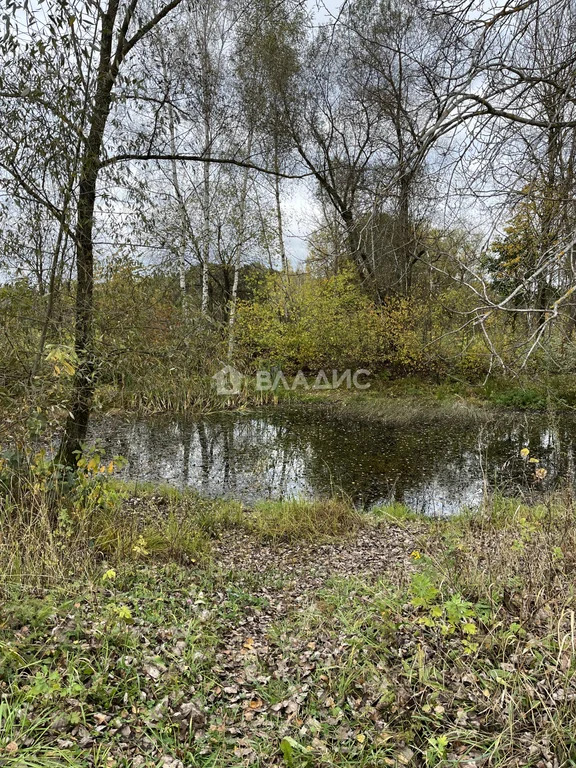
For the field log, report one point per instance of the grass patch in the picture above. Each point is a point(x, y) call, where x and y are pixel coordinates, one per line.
point(410, 398)
point(108, 675)
point(470, 661)
point(299, 519)
point(396, 512)
point(510, 550)
point(148, 644)
point(424, 677)
point(55, 530)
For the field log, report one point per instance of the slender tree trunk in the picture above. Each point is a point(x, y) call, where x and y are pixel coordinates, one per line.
point(233, 306)
point(83, 384)
point(77, 423)
point(404, 225)
point(206, 241)
point(282, 249)
point(187, 233)
point(238, 259)
point(182, 206)
point(207, 117)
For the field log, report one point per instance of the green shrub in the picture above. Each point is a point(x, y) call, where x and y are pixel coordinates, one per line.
point(315, 323)
point(520, 398)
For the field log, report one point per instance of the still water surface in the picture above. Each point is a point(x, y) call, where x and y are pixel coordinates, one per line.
point(436, 467)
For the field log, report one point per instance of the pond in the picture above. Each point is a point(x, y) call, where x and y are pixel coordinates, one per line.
point(436, 467)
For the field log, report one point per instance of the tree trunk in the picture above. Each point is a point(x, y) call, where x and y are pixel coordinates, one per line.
point(207, 119)
point(83, 384)
point(282, 249)
point(238, 259)
point(187, 234)
point(357, 253)
point(233, 305)
point(183, 213)
point(406, 243)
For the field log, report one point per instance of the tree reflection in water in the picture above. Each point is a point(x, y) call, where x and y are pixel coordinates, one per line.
point(435, 467)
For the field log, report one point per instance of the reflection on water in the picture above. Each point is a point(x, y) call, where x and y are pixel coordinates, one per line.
point(436, 468)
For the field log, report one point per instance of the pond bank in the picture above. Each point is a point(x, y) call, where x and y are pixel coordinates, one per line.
point(404, 399)
point(203, 634)
point(399, 398)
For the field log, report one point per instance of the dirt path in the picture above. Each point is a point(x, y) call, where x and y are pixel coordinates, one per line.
point(282, 581)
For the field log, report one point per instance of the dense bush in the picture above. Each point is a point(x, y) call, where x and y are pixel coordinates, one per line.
point(312, 323)
point(328, 322)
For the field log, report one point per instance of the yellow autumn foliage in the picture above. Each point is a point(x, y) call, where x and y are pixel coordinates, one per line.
point(325, 322)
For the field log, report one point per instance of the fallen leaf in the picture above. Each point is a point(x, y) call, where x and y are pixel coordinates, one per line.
point(152, 671)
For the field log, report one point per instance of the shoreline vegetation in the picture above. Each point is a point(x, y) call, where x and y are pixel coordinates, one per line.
point(415, 393)
point(402, 399)
point(152, 627)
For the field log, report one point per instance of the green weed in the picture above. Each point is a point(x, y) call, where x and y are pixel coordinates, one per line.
point(300, 519)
